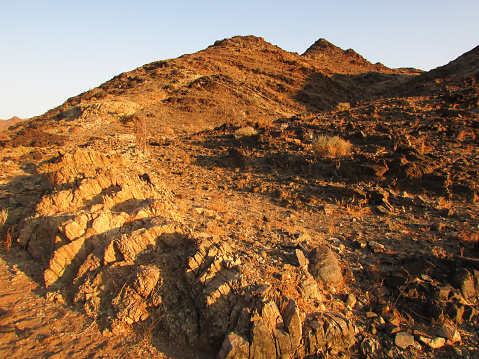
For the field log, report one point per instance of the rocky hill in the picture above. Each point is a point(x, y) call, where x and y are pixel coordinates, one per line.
point(460, 71)
point(247, 202)
point(5, 124)
point(233, 81)
point(458, 78)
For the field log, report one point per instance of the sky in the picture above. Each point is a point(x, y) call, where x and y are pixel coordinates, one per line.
point(55, 49)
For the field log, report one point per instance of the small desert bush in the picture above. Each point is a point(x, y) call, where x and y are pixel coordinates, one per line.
point(443, 203)
point(327, 146)
point(343, 106)
point(469, 236)
point(245, 131)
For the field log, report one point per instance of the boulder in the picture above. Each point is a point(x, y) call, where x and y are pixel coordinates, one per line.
point(234, 347)
point(351, 301)
point(101, 223)
point(324, 266)
point(292, 322)
point(330, 330)
point(302, 261)
point(145, 279)
point(450, 333)
point(262, 343)
point(129, 306)
point(437, 343)
point(404, 340)
point(464, 281)
point(66, 261)
point(310, 289)
point(73, 230)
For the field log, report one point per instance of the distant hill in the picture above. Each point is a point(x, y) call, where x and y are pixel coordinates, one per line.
point(465, 67)
point(462, 74)
point(5, 124)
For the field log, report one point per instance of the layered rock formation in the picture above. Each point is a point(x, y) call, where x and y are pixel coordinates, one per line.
point(112, 242)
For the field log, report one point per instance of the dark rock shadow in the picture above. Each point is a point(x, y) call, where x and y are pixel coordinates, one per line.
point(324, 92)
point(19, 197)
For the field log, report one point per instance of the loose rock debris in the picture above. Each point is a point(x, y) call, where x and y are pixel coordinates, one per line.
point(113, 244)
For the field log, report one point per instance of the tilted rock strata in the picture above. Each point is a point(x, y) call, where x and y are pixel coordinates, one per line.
point(111, 241)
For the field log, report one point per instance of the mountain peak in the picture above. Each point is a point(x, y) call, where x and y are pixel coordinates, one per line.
point(331, 57)
point(323, 47)
point(320, 46)
point(248, 41)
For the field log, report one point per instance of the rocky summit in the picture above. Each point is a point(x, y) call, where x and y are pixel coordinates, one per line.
point(248, 202)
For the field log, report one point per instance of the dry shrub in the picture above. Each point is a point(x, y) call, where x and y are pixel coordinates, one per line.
point(327, 146)
point(443, 203)
point(343, 106)
point(245, 131)
point(439, 252)
point(469, 236)
point(51, 178)
point(357, 210)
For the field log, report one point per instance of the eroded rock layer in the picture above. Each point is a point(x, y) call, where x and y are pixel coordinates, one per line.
point(112, 242)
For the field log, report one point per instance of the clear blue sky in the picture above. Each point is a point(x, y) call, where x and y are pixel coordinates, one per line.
point(55, 49)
